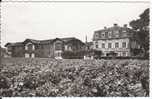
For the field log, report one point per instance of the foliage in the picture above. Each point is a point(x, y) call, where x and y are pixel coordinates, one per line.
point(80, 54)
point(74, 77)
point(141, 30)
point(73, 54)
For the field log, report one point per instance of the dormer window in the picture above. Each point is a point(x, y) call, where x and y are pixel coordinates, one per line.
point(110, 34)
point(103, 34)
point(116, 33)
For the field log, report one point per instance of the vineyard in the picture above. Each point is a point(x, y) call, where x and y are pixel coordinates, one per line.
point(79, 78)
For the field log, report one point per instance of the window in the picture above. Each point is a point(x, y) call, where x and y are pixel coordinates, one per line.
point(97, 46)
point(116, 33)
point(124, 44)
point(109, 45)
point(103, 45)
point(117, 45)
point(26, 48)
point(29, 46)
point(99, 36)
point(103, 34)
point(123, 53)
point(110, 34)
point(58, 46)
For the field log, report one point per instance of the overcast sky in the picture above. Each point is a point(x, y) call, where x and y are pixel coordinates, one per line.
point(50, 20)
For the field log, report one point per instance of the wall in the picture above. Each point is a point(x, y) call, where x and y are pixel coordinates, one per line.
point(18, 51)
point(118, 50)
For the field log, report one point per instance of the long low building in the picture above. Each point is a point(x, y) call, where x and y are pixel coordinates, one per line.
point(115, 40)
point(44, 48)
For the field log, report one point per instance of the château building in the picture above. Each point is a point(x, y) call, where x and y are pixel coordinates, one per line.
point(115, 40)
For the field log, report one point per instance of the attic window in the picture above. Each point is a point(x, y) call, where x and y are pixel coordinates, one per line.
point(116, 33)
point(103, 34)
point(110, 34)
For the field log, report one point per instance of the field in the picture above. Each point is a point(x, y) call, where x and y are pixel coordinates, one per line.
point(91, 78)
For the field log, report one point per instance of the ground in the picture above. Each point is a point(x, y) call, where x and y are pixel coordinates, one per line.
point(93, 78)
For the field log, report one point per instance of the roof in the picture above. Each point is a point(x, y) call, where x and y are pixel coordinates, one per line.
point(14, 44)
point(114, 28)
point(38, 41)
point(66, 40)
point(124, 32)
point(32, 41)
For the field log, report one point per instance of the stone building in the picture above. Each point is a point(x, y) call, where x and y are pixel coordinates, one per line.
point(44, 48)
point(115, 40)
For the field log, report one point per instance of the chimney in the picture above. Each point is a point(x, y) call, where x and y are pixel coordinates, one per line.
point(105, 27)
point(115, 24)
point(86, 39)
point(125, 25)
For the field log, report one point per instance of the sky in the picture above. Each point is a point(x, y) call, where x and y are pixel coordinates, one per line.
point(49, 20)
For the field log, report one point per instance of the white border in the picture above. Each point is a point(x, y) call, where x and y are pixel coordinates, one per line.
point(97, 97)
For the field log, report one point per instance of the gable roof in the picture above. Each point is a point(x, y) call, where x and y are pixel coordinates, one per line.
point(38, 41)
point(68, 39)
point(32, 41)
point(65, 40)
point(14, 44)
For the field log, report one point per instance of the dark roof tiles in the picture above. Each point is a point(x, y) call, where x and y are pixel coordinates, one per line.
point(66, 40)
point(113, 28)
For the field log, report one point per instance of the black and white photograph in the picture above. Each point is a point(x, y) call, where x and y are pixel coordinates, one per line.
point(75, 48)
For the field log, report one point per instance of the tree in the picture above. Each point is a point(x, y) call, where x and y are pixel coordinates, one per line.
point(141, 31)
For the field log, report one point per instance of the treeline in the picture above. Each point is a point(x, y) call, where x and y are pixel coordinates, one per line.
point(141, 31)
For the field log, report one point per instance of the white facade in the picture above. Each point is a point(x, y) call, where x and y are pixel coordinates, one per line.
point(119, 46)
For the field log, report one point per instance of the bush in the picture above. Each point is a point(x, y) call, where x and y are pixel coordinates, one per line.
point(73, 55)
point(74, 77)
